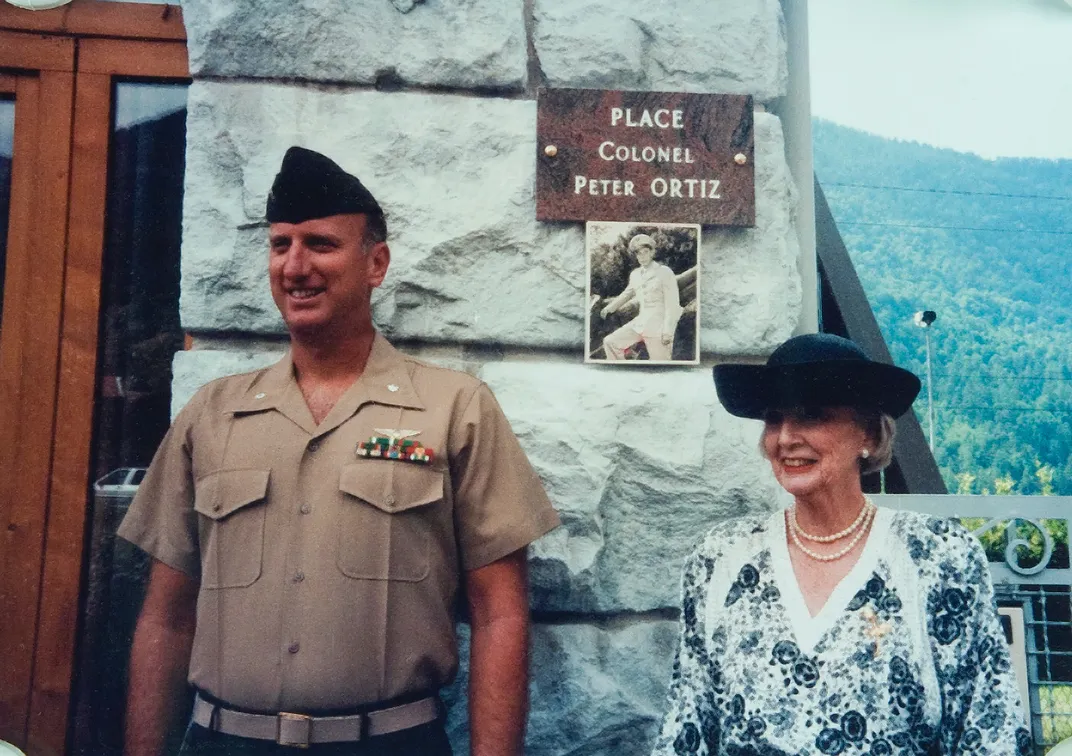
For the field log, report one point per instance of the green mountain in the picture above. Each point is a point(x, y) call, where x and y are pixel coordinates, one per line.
point(987, 244)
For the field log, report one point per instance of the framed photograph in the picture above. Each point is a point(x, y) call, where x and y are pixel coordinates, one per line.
point(643, 293)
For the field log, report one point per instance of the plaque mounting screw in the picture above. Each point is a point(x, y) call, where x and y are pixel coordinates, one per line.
point(550, 150)
point(740, 158)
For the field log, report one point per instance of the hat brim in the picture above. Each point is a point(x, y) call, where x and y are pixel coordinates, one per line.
point(750, 390)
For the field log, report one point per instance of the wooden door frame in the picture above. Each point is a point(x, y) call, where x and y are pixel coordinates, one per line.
point(28, 360)
point(92, 18)
point(107, 40)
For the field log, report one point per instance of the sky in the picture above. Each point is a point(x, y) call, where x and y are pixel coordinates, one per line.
point(993, 77)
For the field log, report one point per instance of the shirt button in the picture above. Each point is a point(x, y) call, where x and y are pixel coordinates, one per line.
point(294, 647)
point(299, 576)
point(313, 445)
point(305, 509)
point(391, 499)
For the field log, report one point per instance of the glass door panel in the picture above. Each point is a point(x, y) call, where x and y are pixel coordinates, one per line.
point(139, 335)
point(140, 329)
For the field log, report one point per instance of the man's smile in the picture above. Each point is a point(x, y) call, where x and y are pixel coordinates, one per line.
point(303, 293)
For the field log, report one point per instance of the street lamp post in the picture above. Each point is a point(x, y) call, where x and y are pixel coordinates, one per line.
point(924, 319)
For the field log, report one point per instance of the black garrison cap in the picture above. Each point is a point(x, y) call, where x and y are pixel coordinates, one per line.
point(310, 185)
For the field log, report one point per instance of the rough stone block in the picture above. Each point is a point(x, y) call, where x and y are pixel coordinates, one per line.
point(465, 43)
point(456, 178)
point(696, 46)
point(639, 465)
point(455, 175)
point(596, 689)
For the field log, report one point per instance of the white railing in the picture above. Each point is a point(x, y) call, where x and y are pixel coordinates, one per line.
point(1013, 511)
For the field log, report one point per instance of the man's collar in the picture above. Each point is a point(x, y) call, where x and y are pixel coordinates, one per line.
point(385, 380)
point(271, 390)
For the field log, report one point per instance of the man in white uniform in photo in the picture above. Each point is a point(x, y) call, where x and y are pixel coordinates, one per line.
point(655, 288)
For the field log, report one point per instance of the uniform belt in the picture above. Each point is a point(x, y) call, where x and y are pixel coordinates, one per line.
point(301, 730)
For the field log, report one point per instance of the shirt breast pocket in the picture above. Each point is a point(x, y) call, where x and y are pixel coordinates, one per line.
point(231, 505)
point(386, 519)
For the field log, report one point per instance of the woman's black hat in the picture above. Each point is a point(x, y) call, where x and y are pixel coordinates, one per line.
point(815, 370)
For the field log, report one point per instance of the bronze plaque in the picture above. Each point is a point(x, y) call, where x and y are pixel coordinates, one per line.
point(645, 156)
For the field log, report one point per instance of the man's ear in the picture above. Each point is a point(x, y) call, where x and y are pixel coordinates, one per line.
point(378, 259)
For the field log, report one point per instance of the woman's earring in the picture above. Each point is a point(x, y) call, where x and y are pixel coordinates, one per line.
point(864, 454)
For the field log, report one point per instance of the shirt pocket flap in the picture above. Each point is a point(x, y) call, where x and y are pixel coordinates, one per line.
point(223, 493)
point(405, 486)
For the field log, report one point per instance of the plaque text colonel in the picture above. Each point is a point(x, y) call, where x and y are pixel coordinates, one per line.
point(652, 156)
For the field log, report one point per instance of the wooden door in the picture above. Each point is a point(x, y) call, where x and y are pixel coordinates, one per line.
point(58, 72)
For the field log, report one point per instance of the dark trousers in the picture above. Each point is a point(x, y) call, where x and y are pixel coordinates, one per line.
point(424, 740)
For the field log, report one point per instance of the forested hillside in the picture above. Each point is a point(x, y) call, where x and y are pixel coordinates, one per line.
point(987, 244)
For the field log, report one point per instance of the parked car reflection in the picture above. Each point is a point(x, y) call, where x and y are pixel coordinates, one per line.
point(122, 481)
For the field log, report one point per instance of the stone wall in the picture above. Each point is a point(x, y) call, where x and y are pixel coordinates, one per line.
point(432, 104)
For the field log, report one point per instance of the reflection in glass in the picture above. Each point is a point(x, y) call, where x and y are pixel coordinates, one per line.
point(7, 150)
point(139, 335)
point(136, 104)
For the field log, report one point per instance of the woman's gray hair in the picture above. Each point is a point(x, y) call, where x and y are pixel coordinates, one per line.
point(880, 428)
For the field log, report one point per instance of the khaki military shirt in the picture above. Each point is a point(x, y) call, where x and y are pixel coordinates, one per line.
point(328, 579)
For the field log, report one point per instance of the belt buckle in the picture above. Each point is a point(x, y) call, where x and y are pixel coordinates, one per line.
point(294, 730)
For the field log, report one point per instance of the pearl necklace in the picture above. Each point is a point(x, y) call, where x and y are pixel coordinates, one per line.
point(870, 509)
point(836, 536)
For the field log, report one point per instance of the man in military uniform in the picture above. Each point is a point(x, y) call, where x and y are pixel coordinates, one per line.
point(312, 524)
point(655, 288)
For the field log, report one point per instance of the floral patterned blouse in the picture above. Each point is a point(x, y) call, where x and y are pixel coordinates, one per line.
point(906, 657)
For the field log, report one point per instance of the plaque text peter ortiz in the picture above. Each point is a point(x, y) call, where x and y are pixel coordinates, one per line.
point(659, 186)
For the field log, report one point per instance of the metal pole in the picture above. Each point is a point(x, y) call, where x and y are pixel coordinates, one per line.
point(930, 391)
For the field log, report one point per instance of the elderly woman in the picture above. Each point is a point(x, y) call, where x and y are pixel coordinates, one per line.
point(833, 626)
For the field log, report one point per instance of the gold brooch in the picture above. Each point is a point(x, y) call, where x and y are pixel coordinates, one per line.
point(876, 630)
